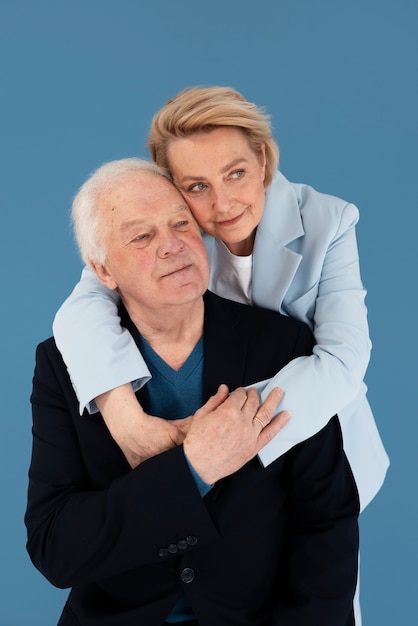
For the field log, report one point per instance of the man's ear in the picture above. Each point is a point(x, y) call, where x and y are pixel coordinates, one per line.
point(103, 274)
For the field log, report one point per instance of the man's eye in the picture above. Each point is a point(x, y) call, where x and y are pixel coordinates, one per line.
point(140, 238)
point(182, 223)
point(237, 174)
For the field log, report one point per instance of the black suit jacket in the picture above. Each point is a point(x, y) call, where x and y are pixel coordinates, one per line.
point(273, 546)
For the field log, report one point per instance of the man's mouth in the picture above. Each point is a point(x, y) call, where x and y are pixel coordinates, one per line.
point(177, 270)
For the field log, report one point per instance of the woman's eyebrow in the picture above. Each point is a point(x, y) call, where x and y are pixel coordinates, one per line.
point(224, 169)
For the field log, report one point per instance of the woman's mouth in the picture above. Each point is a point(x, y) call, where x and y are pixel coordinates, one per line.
point(230, 222)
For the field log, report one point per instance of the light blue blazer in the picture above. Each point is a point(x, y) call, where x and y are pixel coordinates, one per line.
point(305, 264)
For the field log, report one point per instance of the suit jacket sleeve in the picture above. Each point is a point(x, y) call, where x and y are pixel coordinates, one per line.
point(84, 524)
point(319, 570)
point(323, 534)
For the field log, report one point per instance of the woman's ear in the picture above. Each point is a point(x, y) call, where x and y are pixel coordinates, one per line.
point(103, 274)
point(263, 160)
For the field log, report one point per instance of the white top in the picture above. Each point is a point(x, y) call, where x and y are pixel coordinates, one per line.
point(231, 275)
point(305, 264)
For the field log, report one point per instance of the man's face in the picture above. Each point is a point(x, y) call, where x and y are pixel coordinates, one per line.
point(156, 257)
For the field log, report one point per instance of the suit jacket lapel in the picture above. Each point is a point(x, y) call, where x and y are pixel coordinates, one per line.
point(274, 264)
point(225, 343)
point(225, 346)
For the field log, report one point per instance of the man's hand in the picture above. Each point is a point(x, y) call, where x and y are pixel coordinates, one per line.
point(141, 436)
point(229, 431)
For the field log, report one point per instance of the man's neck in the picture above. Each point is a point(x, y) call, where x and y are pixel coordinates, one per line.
point(173, 332)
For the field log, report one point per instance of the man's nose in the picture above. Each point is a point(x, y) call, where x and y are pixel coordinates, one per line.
point(170, 244)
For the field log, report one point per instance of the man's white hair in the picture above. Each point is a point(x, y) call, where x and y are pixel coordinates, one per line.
point(88, 224)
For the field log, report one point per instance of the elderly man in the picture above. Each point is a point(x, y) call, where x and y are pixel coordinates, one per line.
point(200, 533)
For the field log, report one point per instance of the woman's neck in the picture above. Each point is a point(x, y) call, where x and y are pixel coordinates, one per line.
point(242, 248)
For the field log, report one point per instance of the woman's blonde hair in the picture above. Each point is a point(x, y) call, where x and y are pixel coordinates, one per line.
point(202, 109)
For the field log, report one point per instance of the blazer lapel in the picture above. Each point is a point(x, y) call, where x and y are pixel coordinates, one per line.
point(274, 264)
point(225, 343)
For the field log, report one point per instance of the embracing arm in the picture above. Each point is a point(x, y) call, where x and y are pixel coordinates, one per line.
point(102, 360)
point(320, 386)
point(99, 353)
point(315, 387)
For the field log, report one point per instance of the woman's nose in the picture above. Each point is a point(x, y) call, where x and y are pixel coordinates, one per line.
point(221, 199)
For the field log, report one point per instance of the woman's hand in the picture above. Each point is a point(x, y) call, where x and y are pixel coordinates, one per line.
point(140, 436)
point(225, 433)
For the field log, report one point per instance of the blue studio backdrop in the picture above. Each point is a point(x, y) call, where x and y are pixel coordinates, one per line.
point(80, 82)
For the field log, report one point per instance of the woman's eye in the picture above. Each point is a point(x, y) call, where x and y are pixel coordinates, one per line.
point(237, 174)
point(197, 187)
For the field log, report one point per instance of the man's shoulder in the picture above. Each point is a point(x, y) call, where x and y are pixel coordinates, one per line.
point(245, 344)
point(47, 345)
point(253, 315)
point(47, 351)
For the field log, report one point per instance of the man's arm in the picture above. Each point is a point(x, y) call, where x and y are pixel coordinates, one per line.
point(323, 533)
point(89, 517)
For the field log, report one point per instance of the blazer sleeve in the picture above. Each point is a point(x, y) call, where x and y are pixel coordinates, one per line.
point(82, 527)
point(323, 536)
point(323, 384)
point(99, 353)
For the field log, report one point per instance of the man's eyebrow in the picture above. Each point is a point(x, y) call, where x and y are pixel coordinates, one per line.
point(227, 167)
point(140, 221)
point(131, 224)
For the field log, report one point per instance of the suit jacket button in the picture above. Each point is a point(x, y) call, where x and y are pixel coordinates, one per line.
point(163, 552)
point(187, 575)
point(172, 548)
point(191, 540)
point(182, 544)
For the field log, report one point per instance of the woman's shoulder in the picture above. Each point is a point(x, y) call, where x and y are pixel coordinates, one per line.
point(313, 205)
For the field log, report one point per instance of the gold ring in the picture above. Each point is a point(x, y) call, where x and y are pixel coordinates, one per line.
point(260, 422)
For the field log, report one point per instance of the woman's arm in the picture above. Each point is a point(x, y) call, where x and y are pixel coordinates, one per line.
point(99, 353)
point(322, 385)
point(106, 366)
point(140, 436)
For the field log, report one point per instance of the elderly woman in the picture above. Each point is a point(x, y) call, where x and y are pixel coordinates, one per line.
point(272, 243)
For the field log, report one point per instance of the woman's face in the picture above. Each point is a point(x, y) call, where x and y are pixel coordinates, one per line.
point(222, 180)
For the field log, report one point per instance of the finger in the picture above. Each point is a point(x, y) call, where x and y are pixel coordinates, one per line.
point(252, 402)
point(272, 429)
point(259, 422)
point(238, 398)
point(216, 400)
point(269, 407)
